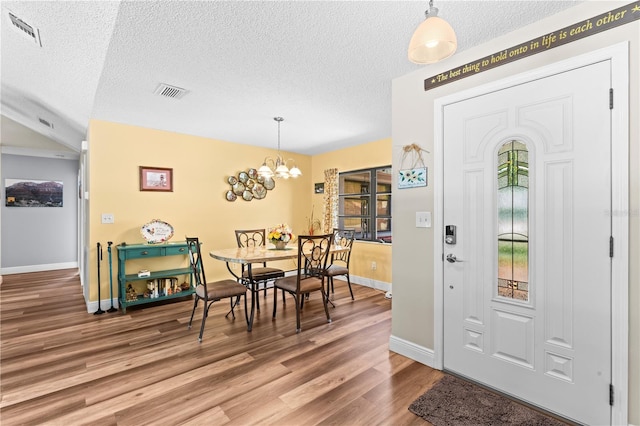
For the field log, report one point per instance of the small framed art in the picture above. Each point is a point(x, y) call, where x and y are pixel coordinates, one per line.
point(156, 179)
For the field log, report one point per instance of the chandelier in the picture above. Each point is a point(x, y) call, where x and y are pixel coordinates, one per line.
point(278, 167)
point(433, 40)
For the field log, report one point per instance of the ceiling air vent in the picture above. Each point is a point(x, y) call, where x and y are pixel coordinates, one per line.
point(25, 29)
point(170, 91)
point(45, 122)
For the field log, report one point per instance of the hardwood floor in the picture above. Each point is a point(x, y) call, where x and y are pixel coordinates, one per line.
point(63, 366)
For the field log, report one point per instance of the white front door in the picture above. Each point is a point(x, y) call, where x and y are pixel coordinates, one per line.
point(527, 185)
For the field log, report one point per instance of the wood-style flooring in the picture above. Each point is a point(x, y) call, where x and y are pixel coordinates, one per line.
point(63, 366)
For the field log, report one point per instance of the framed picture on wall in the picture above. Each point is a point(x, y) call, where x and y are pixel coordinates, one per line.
point(156, 179)
point(33, 193)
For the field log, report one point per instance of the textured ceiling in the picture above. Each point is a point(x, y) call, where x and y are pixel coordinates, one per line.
point(325, 66)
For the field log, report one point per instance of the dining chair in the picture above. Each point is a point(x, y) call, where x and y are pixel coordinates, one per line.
point(313, 254)
point(214, 291)
point(261, 275)
point(339, 264)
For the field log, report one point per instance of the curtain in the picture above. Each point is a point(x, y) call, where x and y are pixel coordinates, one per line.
point(330, 217)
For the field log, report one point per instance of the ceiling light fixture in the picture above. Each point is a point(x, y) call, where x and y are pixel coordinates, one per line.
point(433, 40)
point(278, 167)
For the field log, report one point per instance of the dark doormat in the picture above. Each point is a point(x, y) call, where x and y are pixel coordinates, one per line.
point(454, 401)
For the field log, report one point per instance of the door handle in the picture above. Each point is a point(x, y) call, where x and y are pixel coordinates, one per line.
point(452, 258)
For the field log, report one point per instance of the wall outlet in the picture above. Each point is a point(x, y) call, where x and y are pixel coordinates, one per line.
point(107, 218)
point(374, 266)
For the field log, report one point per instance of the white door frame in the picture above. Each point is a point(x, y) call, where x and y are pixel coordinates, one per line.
point(619, 57)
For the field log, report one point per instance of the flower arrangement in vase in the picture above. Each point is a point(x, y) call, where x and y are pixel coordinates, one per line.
point(280, 235)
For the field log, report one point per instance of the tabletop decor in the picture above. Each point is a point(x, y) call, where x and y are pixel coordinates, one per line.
point(280, 235)
point(156, 231)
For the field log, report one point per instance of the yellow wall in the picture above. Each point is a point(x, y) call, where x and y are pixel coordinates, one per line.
point(373, 154)
point(197, 206)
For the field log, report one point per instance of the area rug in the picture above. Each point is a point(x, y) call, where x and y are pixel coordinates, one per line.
point(454, 401)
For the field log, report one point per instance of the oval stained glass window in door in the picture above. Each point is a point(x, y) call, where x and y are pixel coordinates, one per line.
point(513, 221)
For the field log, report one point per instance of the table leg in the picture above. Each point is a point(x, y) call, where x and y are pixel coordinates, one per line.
point(253, 297)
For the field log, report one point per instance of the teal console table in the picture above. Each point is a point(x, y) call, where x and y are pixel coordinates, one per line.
point(128, 252)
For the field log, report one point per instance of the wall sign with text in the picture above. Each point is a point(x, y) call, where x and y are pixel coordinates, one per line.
point(611, 19)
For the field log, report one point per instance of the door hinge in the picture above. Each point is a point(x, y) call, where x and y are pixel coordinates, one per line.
point(610, 98)
point(611, 395)
point(610, 246)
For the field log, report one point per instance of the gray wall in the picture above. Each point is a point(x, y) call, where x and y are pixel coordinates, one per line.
point(39, 238)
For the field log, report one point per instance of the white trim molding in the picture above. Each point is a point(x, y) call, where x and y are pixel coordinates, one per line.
point(369, 282)
point(37, 268)
point(411, 350)
point(92, 306)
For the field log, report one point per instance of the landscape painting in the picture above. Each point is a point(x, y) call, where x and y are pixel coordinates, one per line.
point(33, 193)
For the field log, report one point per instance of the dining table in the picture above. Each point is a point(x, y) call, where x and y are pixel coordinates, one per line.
point(258, 254)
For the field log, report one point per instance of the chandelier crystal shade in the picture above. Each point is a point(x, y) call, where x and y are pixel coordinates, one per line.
point(278, 167)
point(433, 40)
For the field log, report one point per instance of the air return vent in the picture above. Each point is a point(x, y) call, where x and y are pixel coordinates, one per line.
point(45, 122)
point(25, 29)
point(170, 91)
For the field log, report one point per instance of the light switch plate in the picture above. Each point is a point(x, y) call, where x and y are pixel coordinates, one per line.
point(423, 219)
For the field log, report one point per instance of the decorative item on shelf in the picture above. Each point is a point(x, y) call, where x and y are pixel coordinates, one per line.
point(280, 236)
point(143, 273)
point(415, 176)
point(433, 40)
point(249, 185)
point(156, 231)
point(278, 167)
point(313, 225)
point(131, 294)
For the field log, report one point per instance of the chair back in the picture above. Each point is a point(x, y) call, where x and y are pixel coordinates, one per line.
point(250, 237)
point(195, 260)
point(313, 254)
point(344, 238)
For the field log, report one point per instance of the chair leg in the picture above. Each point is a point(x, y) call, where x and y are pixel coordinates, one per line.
point(233, 305)
point(275, 301)
point(350, 290)
point(298, 309)
point(205, 314)
point(325, 299)
point(329, 285)
point(284, 300)
point(195, 304)
point(246, 311)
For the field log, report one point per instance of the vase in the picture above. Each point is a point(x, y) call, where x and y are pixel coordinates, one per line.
point(280, 245)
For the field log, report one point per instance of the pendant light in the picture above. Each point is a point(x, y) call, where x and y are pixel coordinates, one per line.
point(278, 167)
point(433, 40)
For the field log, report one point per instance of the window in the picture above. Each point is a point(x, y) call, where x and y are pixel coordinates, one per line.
point(365, 203)
point(513, 221)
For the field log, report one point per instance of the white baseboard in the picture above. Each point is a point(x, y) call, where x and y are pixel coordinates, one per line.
point(104, 305)
point(37, 268)
point(411, 350)
point(369, 282)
